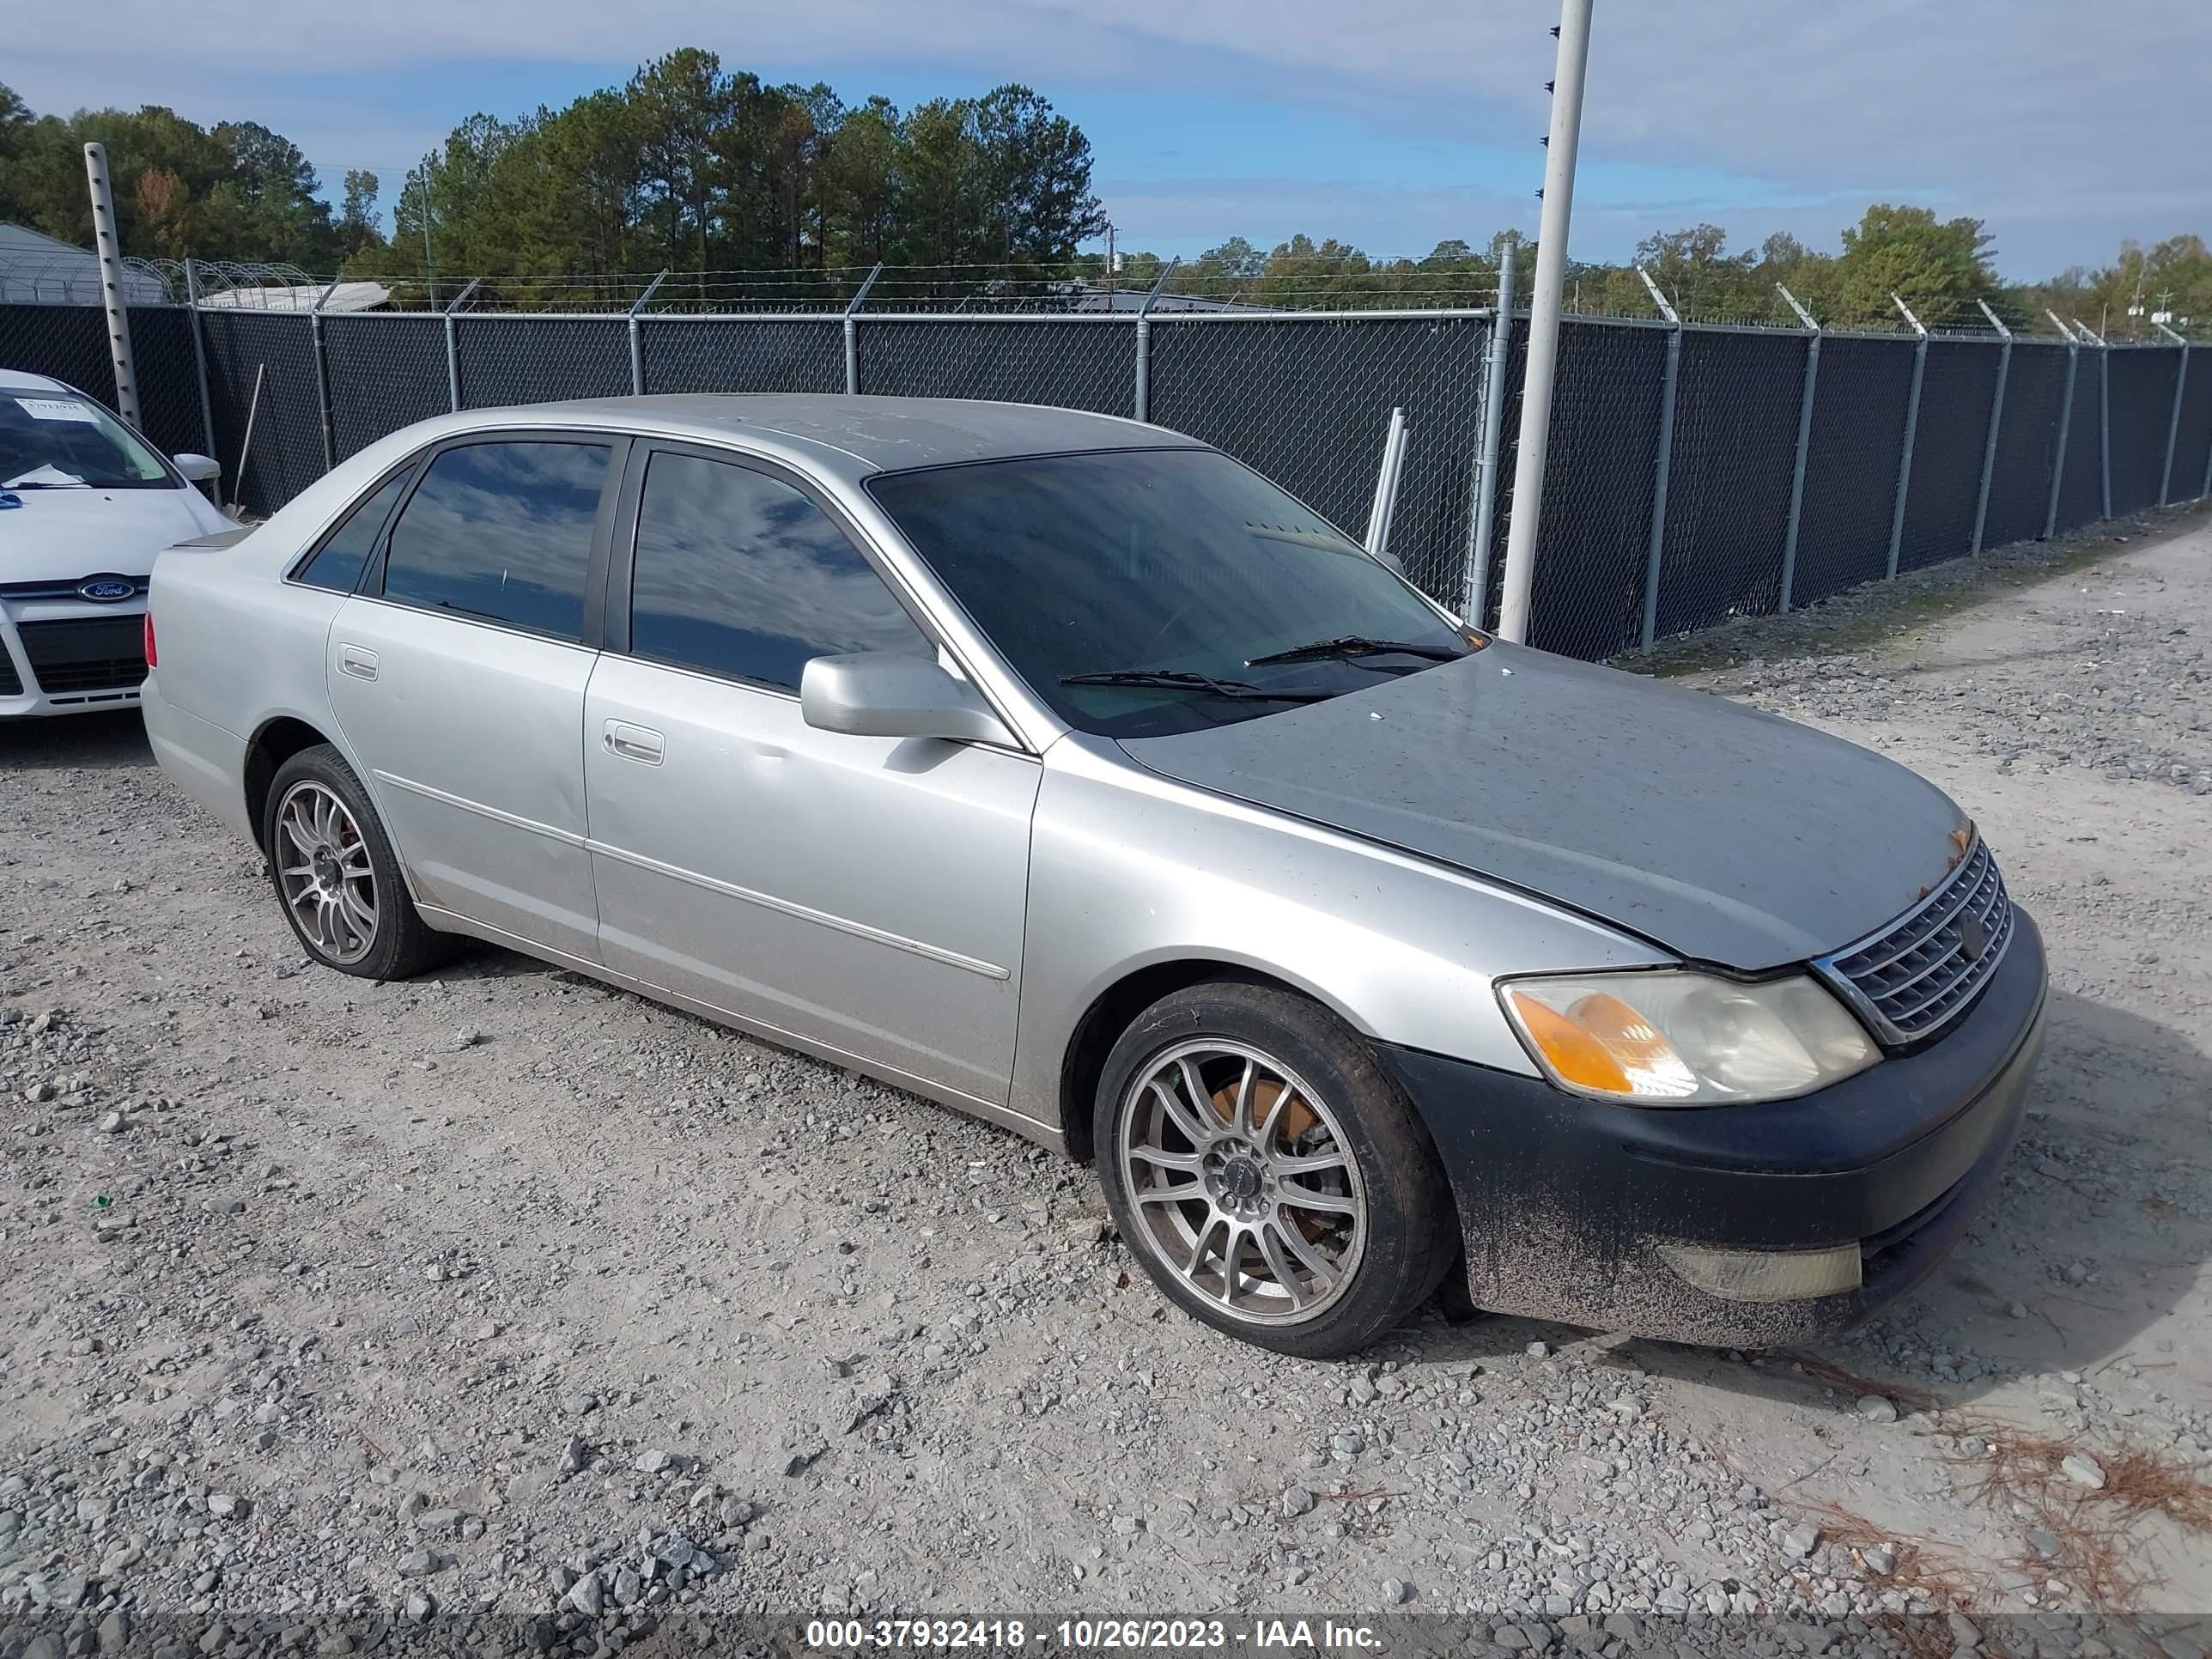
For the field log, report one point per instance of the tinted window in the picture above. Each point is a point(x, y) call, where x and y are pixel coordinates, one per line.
point(739, 574)
point(1142, 560)
point(336, 565)
point(503, 532)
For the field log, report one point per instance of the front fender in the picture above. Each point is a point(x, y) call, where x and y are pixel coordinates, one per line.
point(1130, 870)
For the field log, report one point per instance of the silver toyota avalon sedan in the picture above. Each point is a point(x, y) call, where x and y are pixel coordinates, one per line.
point(1063, 770)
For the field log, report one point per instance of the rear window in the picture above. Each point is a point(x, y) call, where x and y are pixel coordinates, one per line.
point(337, 564)
point(502, 531)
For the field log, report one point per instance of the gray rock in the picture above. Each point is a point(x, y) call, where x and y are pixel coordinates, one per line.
point(587, 1595)
point(226, 1506)
point(421, 1608)
point(418, 1563)
point(2044, 1543)
point(651, 1462)
point(114, 1631)
point(1878, 1408)
point(1800, 1540)
point(628, 1587)
point(2083, 1470)
point(1297, 1501)
point(1397, 1592)
point(1880, 1559)
point(578, 1404)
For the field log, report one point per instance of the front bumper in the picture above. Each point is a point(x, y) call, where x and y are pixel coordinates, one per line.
point(1564, 1202)
point(70, 657)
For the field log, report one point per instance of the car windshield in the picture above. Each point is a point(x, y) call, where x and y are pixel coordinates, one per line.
point(1139, 591)
point(58, 440)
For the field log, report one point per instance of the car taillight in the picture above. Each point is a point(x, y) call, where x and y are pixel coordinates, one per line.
point(152, 661)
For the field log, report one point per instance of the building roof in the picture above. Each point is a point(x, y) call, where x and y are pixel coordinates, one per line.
point(295, 296)
point(36, 269)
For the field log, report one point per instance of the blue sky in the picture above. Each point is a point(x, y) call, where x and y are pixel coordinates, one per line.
point(1392, 124)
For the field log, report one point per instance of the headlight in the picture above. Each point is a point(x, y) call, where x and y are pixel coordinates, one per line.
point(1670, 1038)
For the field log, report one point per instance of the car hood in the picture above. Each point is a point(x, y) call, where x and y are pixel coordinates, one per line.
point(63, 535)
point(1719, 832)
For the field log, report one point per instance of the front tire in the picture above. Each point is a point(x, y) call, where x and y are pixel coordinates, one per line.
point(1271, 1178)
point(336, 878)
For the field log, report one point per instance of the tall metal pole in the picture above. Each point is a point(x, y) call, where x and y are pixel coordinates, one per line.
point(1996, 421)
point(109, 247)
point(1663, 467)
point(1474, 600)
point(1804, 448)
point(429, 260)
point(1544, 319)
point(323, 378)
point(1912, 433)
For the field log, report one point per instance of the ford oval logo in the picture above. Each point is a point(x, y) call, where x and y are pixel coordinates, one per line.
point(106, 590)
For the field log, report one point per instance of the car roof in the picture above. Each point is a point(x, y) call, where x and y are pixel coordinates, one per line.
point(856, 436)
point(21, 379)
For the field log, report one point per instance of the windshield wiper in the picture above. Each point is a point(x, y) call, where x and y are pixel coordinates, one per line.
point(1357, 645)
point(1176, 679)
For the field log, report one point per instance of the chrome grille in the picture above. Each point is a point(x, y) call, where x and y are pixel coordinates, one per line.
point(1914, 976)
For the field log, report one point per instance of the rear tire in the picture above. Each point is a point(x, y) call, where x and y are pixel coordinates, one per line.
point(336, 878)
point(1271, 1178)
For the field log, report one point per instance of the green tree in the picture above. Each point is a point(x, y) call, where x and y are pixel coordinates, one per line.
point(1937, 267)
point(357, 224)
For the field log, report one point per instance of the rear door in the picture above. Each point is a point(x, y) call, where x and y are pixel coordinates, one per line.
point(864, 895)
point(458, 673)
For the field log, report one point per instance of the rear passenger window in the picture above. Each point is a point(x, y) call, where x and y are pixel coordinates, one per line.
point(337, 564)
point(741, 576)
point(503, 531)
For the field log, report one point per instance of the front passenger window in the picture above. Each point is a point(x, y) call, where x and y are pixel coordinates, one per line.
point(741, 576)
point(503, 532)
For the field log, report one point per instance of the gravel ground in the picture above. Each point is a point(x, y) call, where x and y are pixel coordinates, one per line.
point(330, 1307)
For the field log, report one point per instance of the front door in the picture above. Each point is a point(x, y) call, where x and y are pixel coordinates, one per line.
point(864, 895)
point(457, 676)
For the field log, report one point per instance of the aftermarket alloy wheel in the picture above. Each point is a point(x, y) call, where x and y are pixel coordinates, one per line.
point(336, 874)
point(1268, 1174)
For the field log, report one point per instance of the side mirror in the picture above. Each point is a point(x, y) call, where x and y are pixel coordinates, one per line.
point(197, 469)
point(889, 694)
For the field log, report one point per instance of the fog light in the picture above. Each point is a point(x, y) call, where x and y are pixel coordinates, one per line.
point(1765, 1275)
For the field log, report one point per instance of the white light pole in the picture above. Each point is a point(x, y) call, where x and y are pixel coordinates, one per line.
point(1544, 319)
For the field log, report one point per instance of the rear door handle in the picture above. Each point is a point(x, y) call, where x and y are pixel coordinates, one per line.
point(357, 662)
point(637, 743)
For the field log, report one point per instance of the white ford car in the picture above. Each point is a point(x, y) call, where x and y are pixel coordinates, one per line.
point(85, 504)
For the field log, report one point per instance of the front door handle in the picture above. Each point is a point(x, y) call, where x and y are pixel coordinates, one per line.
point(637, 743)
point(357, 662)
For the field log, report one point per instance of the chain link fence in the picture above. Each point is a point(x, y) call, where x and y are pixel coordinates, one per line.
point(1698, 472)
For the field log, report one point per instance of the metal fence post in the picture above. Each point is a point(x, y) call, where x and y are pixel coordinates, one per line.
point(1475, 584)
point(1804, 447)
point(1656, 546)
point(1144, 393)
point(2174, 420)
point(853, 333)
point(2066, 425)
point(1911, 430)
point(2105, 420)
point(452, 351)
point(200, 363)
point(323, 377)
point(1996, 420)
point(637, 338)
